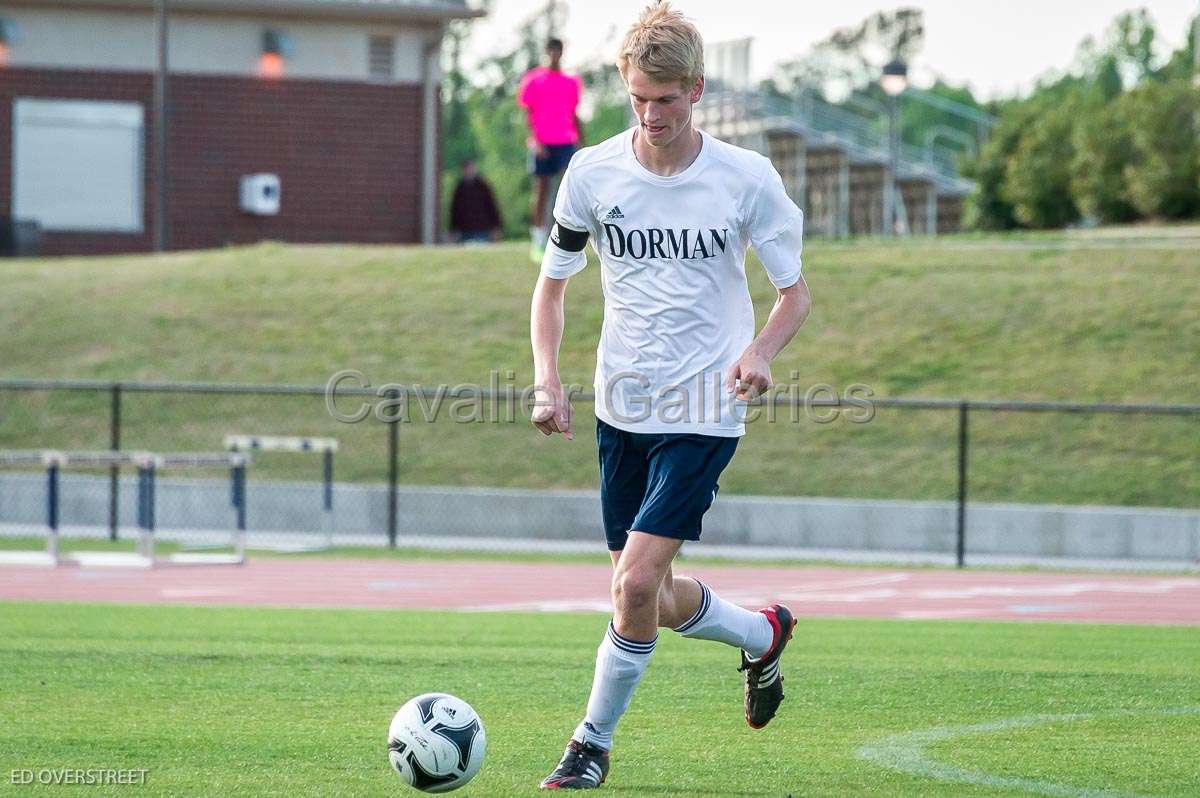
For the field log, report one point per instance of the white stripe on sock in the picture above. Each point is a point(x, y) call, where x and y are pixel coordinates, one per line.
point(701, 611)
point(632, 646)
point(730, 624)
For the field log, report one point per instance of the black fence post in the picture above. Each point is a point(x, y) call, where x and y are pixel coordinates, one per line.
point(393, 468)
point(52, 497)
point(142, 522)
point(327, 478)
point(114, 470)
point(239, 495)
point(963, 408)
point(152, 500)
point(145, 506)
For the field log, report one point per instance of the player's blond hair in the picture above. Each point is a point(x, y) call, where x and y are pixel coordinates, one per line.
point(664, 45)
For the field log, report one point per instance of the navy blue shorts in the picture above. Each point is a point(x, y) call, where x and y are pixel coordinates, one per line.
point(555, 162)
point(658, 483)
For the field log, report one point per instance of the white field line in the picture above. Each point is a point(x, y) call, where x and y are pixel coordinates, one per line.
point(550, 605)
point(942, 614)
point(837, 593)
point(741, 598)
point(1157, 587)
point(841, 592)
point(906, 753)
point(199, 592)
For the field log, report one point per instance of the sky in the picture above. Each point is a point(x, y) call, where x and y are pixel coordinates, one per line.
point(997, 48)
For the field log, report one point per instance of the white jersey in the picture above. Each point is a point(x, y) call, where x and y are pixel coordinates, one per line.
point(677, 311)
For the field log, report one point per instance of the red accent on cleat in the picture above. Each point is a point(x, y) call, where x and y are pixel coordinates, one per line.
point(778, 634)
point(763, 695)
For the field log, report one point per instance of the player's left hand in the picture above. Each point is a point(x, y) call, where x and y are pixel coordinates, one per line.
point(752, 375)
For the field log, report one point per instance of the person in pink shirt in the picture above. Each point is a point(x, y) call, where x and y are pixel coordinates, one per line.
point(550, 97)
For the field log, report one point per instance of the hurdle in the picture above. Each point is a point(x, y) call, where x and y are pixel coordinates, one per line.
point(52, 461)
point(148, 465)
point(326, 447)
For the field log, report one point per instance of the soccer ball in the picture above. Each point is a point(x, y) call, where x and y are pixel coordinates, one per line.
point(436, 742)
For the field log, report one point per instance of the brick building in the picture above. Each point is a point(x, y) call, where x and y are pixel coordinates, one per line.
point(336, 98)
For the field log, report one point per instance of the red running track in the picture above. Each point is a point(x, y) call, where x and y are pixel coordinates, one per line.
point(499, 586)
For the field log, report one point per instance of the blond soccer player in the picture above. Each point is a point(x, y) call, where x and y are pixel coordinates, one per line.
point(670, 211)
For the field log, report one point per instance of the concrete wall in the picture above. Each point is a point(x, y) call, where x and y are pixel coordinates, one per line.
point(497, 515)
point(203, 43)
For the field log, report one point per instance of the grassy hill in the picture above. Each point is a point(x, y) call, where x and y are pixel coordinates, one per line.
point(1109, 317)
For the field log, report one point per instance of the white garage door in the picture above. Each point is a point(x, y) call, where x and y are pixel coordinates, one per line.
point(77, 165)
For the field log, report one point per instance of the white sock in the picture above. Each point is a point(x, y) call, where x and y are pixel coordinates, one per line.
point(620, 663)
point(717, 619)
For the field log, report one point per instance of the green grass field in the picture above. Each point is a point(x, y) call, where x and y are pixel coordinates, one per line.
point(255, 702)
point(1108, 317)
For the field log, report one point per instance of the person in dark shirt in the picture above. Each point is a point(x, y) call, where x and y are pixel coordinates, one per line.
point(473, 212)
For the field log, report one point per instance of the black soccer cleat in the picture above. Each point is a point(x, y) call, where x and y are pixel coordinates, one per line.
point(764, 683)
point(583, 767)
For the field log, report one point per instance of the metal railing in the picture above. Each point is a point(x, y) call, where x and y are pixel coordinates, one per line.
point(825, 121)
point(117, 395)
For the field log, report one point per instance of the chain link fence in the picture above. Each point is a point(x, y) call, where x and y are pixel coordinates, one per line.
point(462, 468)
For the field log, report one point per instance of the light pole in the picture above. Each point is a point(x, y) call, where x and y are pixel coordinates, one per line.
point(161, 122)
point(893, 82)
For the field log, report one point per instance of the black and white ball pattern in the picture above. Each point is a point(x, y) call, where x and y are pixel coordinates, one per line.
point(436, 742)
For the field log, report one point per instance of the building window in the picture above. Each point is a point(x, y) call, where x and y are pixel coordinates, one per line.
point(381, 58)
point(77, 165)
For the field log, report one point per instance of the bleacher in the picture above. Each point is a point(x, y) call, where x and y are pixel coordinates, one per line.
point(835, 162)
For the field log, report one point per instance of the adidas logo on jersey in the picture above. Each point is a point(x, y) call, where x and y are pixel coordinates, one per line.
point(615, 213)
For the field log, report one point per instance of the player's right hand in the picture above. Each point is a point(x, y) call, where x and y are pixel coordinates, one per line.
point(552, 411)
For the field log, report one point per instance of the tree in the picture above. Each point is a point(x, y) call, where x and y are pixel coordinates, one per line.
point(1164, 171)
point(989, 207)
point(1113, 138)
point(482, 120)
point(848, 64)
point(1131, 42)
point(1037, 178)
point(1103, 148)
point(1182, 63)
point(851, 58)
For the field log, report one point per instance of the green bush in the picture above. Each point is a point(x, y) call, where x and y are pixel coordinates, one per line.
point(988, 208)
point(1103, 148)
point(1037, 177)
point(1085, 144)
point(1163, 174)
